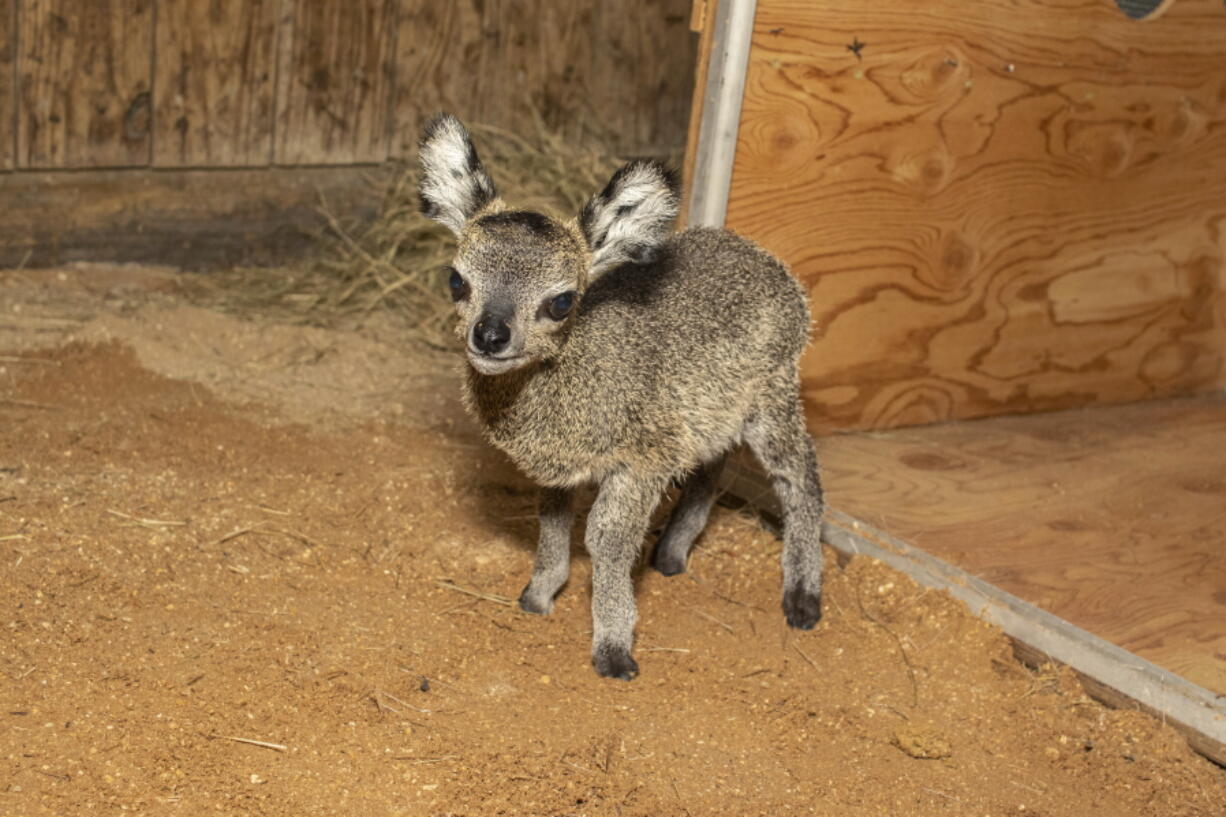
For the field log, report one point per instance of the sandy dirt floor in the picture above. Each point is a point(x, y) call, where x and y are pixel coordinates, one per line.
point(237, 567)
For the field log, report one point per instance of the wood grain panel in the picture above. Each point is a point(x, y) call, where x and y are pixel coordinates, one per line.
point(438, 47)
point(614, 67)
point(662, 84)
point(527, 42)
point(1113, 518)
point(84, 74)
point(213, 91)
point(997, 207)
point(336, 69)
point(537, 64)
point(8, 58)
point(618, 71)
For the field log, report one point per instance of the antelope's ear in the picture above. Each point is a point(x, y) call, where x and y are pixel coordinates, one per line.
point(453, 184)
point(631, 218)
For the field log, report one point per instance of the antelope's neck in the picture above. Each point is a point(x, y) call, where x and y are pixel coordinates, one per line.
point(520, 414)
point(515, 409)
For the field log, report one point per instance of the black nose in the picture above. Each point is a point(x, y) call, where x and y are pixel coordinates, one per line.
point(491, 334)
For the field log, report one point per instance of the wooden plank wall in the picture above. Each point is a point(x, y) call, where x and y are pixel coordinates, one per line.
point(195, 219)
point(8, 42)
point(622, 70)
point(253, 83)
point(213, 103)
point(334, 89)
point(84, 71)
point(1001, 206)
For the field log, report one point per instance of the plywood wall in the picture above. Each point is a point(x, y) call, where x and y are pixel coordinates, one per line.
point(999, 206)
point(248, 83)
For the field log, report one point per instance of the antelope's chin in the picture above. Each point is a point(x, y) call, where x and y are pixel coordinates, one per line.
point(484, 364)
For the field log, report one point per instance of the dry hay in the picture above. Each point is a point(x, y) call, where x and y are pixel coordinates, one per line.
point(395, 263)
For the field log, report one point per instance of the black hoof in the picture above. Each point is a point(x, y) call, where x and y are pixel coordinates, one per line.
point(527, 604)
point(667, 564)
point(802, 608)
point(614, 662)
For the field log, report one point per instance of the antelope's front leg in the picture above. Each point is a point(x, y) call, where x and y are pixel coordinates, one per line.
point(552, 566)
point(615, 529)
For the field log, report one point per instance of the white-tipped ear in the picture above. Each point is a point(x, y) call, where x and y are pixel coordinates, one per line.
point(453, 186)
point(631, 218)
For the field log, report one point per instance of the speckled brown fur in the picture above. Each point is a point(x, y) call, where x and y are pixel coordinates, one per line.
point(678, 347)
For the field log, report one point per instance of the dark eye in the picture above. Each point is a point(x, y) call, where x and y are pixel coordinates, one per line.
point(559, 306)
point(457, 285)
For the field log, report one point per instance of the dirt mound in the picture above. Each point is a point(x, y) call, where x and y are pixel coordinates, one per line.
point(236, 580)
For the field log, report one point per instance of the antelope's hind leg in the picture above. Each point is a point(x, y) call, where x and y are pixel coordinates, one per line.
point(778, 437)
point(688, 518)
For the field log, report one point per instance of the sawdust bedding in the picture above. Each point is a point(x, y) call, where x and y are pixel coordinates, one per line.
point(260, 568)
